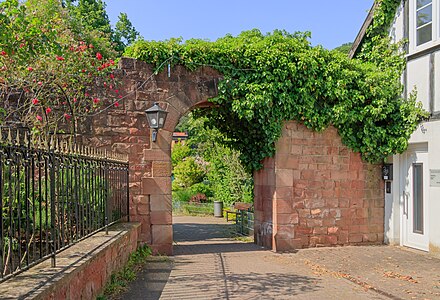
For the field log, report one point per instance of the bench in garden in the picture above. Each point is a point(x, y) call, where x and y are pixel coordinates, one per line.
point(236, 207)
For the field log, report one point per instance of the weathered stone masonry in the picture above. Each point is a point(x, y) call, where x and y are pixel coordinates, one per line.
point(125, 130)
point(316, 192)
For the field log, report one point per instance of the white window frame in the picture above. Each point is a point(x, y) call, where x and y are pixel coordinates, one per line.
point(426, 24)
point(435, 39)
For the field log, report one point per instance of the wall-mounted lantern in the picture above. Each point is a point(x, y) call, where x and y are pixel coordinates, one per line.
point(156, 117)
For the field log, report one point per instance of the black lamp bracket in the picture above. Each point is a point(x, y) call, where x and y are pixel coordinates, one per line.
point(154, 135)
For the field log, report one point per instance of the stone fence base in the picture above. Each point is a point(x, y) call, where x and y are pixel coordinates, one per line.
point(82, 270)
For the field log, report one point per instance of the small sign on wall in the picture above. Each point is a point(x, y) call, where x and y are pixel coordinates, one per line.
point(435, 178)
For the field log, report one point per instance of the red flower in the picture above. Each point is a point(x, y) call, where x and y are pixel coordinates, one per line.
point(40, 83)
point(99, 56)
point(40, 118)
point(116, 104)
point(112, 62)
point(74, 100)
point(30, 69)
point(35, 101)
point(112, 76)
point(3, 53)
point(116, 91)
point(22, 45)
point(60, 58)
point(120, 96)
point(67, 116)
point(91, 46)
point(86, 94)
point(95, 100)
point(48, 110)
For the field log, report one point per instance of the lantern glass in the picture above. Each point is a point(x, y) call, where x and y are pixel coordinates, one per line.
point(162, 116)
point(156, 116)
point(152, 119)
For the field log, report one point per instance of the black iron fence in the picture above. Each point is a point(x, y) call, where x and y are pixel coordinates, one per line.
point(54, 194)
point(244, 222)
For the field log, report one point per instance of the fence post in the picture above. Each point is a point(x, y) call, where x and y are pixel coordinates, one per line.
point(52, 166)
point(128, 193)
point(107, 177)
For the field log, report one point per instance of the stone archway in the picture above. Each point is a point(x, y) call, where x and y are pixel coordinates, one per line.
point(125, 130)
point(313, 192)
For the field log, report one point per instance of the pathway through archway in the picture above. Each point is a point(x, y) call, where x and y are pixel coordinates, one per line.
point(209, 264)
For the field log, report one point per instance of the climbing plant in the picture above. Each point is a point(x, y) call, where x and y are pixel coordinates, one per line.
point(270, 78)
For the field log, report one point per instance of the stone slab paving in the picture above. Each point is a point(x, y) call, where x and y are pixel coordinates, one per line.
point(209, 265)
point(400, 273)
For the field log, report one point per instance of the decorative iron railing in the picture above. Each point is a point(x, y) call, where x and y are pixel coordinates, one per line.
point(54, 194)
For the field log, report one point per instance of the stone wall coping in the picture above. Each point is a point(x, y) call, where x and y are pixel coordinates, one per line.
point(40, 281)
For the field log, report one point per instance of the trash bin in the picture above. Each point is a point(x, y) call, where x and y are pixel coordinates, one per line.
point(218, 209)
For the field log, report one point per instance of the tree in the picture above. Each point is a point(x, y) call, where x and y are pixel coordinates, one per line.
point(91, 14)
point(124, 33)
point(50, 75)
point(187, 173)
point(180, 152)
point(225, 179)
point(344, 48)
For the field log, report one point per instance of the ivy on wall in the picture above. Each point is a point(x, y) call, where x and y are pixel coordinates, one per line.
point(269, 78)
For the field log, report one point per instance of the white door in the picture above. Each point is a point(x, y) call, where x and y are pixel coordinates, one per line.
point(415, 200)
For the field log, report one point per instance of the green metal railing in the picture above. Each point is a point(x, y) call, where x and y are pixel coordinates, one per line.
point(244, 222)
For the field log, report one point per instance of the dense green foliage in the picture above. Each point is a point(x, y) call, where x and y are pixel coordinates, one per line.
point(92, 16)
point(56, 63)
point(378, 32)
point(204, 165)
point(279, 76)
point(124, 33)
point(344, 48)
point(52, 70)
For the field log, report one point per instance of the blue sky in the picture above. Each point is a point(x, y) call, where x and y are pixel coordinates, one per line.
point(331, 23)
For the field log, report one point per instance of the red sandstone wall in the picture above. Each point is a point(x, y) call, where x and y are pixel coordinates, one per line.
point(264, 189)
point(125, 130)
point(87, 281)
point(323, 194)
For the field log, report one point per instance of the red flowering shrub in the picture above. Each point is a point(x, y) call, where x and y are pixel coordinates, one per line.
point(48, 74)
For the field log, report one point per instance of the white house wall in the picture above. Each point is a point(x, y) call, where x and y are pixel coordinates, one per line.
point(422, 73)
point(418, 78)
point(437, 82)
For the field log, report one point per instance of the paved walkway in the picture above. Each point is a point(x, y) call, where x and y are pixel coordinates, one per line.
point(208, 265)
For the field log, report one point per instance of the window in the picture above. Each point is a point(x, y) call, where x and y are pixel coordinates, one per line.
point(424, 21)
point(418, 198)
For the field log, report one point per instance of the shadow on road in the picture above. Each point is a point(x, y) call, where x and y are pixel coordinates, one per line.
point(192, 232)
point(150, 281)
point(215, 248)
